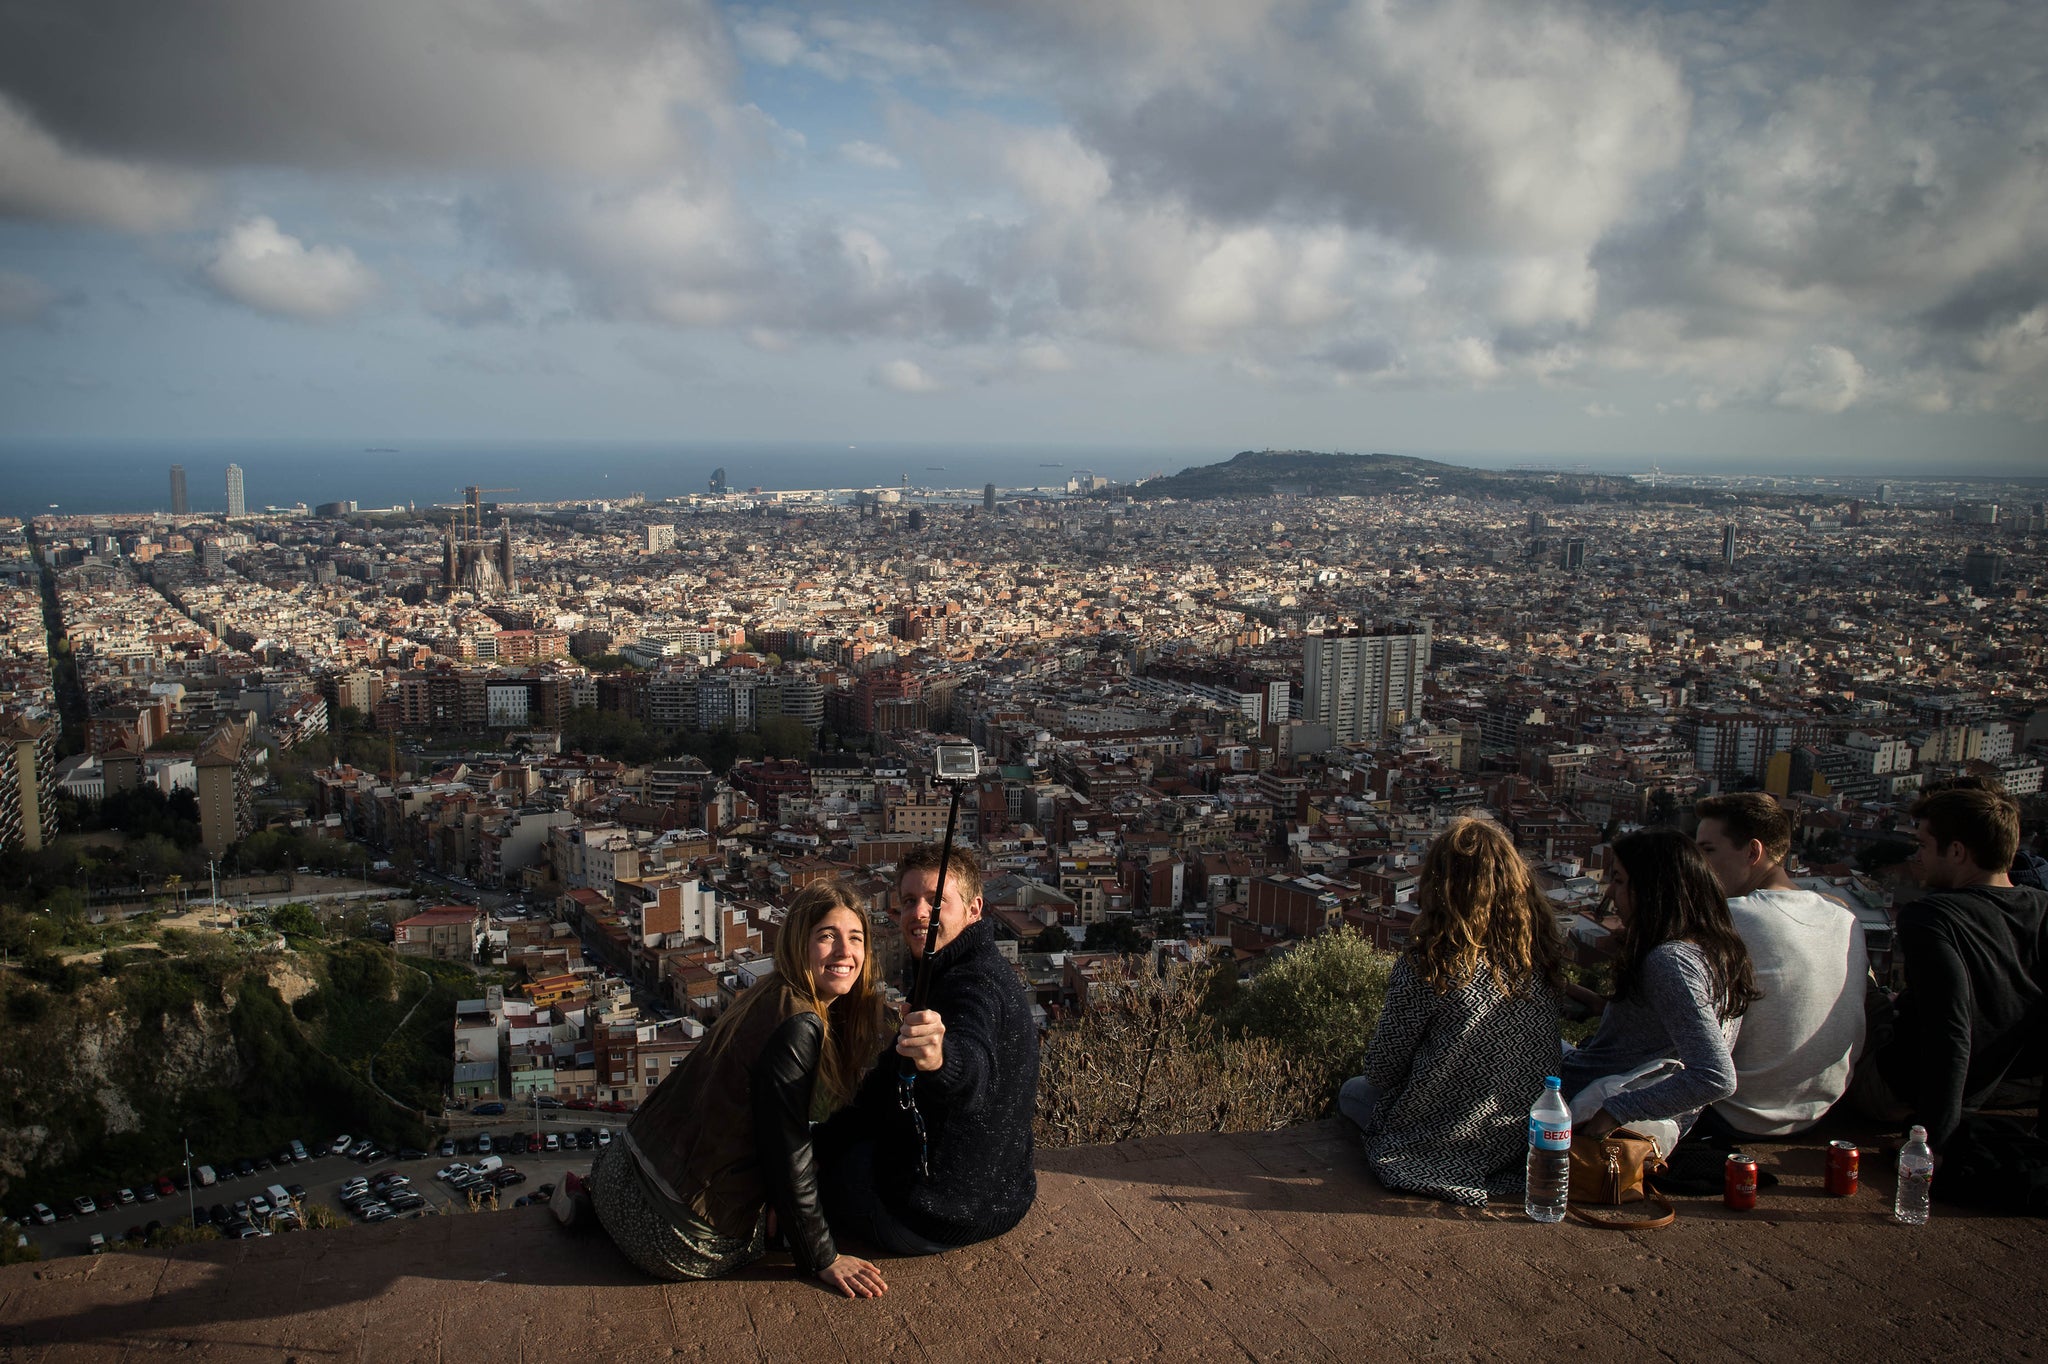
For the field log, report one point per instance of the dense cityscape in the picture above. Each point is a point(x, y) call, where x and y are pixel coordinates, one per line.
point(634, 728)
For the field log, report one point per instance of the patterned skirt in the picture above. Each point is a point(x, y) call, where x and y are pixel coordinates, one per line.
point(666, 1247)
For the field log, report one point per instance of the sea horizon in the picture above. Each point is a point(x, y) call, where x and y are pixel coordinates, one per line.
point(85, 476)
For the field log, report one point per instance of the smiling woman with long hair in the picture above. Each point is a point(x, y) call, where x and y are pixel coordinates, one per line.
point(1469, 1029)
point(726, 1138)
point(1682, 981)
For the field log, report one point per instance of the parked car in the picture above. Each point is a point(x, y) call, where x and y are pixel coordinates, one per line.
point(489, 1110)
point(519, 1144)
point(554, 1142)
point(297, 1191)
point(124, 1196)
point(581, 1105)
point(85, 1206)
point(146, 1193)
point(604, 1138)
point(259, 1205)
point(507, 1177)
point(298, 1150)
point(547, 1101)
point(340, 1144)
point(447, 1147)
point(165, 1186)
point(41, 1215)
point(244, 1168)
point(408, 1153)
point(483, 1143)
point(96, 1243)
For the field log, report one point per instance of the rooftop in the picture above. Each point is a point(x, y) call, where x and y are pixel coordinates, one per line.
point(1256, 1246)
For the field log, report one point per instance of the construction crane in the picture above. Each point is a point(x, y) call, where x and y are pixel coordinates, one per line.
point(472, 513)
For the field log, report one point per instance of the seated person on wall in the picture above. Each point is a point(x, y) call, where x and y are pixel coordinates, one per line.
point(1802, 1034)
point(723, 1146)
point(1967, 1030)
point(953, 1166)
point(1681, 985)
point(1469, 1029)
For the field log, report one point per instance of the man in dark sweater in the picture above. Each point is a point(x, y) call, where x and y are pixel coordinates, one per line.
point(936, 1150)
point(1970, 1023)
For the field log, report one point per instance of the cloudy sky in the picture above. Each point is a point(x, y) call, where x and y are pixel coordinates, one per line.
point(1810, 234)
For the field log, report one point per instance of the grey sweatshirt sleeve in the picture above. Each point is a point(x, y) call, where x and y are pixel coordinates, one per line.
point(1680, 992)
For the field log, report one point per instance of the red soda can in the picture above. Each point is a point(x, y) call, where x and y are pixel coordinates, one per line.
point(1738, 1182)
point(1842, 1167)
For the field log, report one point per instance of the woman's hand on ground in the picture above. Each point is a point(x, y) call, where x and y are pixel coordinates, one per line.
point(854, 1277)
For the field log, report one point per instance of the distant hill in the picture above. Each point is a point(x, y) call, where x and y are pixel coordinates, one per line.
point(1309, 473)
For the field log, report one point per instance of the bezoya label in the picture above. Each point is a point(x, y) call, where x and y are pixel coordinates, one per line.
point(1549, 1138)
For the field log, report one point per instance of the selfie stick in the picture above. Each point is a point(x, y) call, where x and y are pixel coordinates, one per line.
point(922, 987)
point(906, 1076)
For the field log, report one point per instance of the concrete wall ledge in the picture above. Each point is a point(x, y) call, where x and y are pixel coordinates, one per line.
point(1257, 1246)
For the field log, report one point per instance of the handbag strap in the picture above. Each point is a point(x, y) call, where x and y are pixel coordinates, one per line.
point(1650, 1195)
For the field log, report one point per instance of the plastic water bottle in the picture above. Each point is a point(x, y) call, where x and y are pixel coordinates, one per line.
point(1550, 1155)
point(1916, 1174)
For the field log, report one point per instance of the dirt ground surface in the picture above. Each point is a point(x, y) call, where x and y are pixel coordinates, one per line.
point(1272, 1246)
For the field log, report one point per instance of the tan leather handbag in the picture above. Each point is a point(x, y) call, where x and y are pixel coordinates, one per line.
point(1613, 1171)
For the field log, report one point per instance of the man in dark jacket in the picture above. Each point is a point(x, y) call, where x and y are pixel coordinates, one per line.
point(1970, 1023)
point(936, 1150)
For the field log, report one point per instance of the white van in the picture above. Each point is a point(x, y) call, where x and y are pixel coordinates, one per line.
point(279, 1199)
point(488, 1165)
point(205, 1175)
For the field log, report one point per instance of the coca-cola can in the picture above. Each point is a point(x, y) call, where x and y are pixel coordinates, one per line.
point(1842, 1167)
point(1738, 1182)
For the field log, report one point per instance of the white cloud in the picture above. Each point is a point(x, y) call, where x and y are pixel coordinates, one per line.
point(1601, 411)
point(869, 154)
point(1044, 359)
point(471, 300)
point(1825, 379)
point(904, 376)
point(41, 179)
point(256, 264)
point(769, 40)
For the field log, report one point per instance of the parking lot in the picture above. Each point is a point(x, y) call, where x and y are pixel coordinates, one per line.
point(322, 1176)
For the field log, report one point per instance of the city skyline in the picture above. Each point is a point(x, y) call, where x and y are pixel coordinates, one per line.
point(1694, 235)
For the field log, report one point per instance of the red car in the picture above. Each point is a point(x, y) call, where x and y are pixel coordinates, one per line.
point(612, 1106)
point(164, 1187)
point(584, 1105)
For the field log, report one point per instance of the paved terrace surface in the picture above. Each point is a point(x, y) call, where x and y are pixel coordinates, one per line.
point(1270, 1246)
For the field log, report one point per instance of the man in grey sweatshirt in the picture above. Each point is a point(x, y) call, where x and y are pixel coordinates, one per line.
point(1802, 1037)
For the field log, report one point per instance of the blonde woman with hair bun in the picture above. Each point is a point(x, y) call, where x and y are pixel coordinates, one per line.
point(1469, 1029)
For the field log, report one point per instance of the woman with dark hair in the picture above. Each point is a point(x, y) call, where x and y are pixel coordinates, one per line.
point(1469, 1029)
point(1682, 981)
point(724, 1143)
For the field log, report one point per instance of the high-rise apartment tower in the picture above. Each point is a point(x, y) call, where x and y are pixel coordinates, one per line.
point(181, 501)
point(1364, 683)
point(236, 505)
